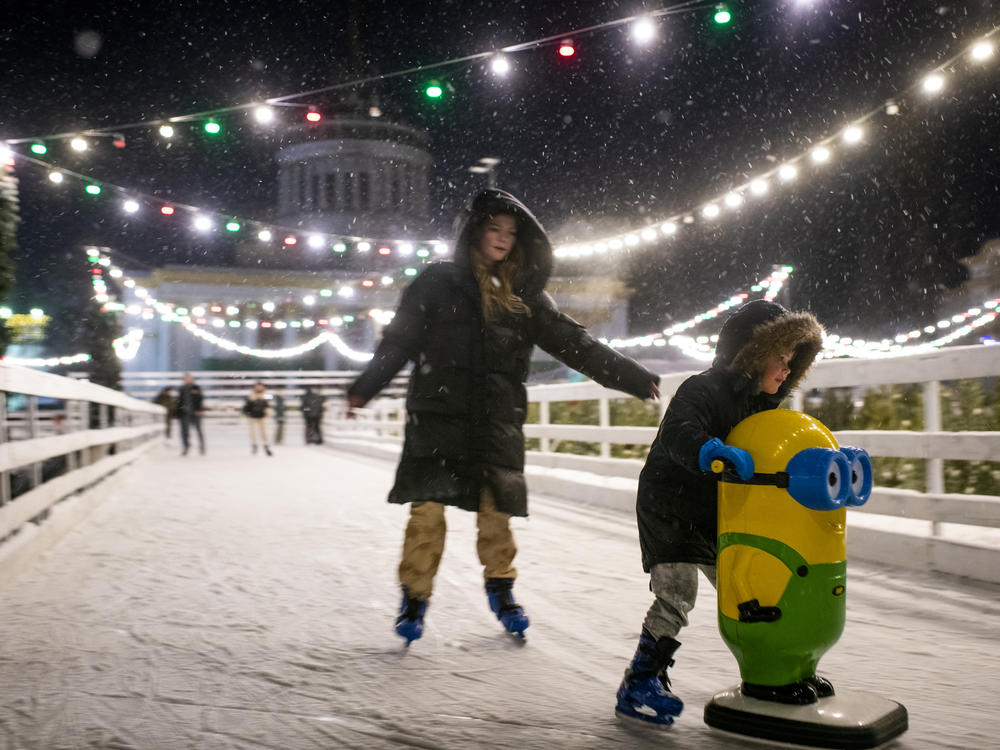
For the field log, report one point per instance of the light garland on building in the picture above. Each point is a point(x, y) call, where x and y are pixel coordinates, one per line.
point(102, 265)
point(129, 344)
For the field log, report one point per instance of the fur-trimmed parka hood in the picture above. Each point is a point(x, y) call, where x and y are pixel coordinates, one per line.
point(531, 237)
point(761, 330)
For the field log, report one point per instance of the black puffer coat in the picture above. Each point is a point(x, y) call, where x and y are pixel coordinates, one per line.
point(466, 402)
point(677, 502)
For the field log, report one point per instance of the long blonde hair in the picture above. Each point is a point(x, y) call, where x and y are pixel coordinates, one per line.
point(496, 281)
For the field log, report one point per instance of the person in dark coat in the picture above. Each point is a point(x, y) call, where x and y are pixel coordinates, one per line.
point(469, 327)
point(189, 411)
point(165, 398)
point(762, 353)
point(279, 419)
point(312, 413)
point(255, 410)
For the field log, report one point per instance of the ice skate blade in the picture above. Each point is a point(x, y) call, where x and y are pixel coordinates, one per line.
point(637, 721)
point(850, 719)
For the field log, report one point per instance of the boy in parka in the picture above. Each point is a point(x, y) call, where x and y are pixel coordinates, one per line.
point(762, 353)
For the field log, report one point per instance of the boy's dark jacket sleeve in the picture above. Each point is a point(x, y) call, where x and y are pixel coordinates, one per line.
point(401, 338)
point(687, 425)
point(568, 341)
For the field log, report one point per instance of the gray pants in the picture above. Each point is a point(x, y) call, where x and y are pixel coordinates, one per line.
point(675, 586)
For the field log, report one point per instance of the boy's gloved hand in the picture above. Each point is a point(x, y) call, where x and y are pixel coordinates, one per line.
point(739, 458)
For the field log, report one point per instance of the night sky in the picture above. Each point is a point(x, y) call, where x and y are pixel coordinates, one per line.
point(617, 137)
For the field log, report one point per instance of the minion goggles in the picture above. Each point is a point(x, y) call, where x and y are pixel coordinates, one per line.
point(817, 478)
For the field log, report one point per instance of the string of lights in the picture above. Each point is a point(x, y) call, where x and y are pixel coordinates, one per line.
point(819, 156)
point(643, 31)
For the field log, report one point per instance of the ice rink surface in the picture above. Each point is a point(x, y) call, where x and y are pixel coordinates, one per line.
point(238, 601)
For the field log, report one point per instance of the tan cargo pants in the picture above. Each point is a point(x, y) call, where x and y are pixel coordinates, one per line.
point(423, 544)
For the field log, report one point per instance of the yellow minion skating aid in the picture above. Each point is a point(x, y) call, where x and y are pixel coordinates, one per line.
point(781, 572)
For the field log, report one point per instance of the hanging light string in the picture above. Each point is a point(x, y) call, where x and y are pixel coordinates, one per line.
point(770, 285)
point(205, 220)
point(760, 185)
point(688, 6)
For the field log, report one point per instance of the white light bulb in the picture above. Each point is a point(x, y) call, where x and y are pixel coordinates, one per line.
point(733, 200)
point(78, 144)
point(198, 311)
point(648, 234)
point(316, 241)
point(345, 291)
point(710, 211)
point(758, 187)
point(364, 247)
point(167, 131)
point(56, 177)
point(268, 307)
point(933, 83)
point(202, 223)
point(264, 235)
point(500, 65)
point(820, 154)
point(853, 134)
point(131, 206)
point(668, 227)
point(405, 248)
point(309, 300)
point(787, 173)
point(643, 30)
point(386, 280)
point(981, 50)
point(263, 114)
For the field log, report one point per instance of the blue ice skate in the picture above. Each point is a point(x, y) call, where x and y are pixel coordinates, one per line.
point(509, 613)
point(645, 691)
point(410, 622)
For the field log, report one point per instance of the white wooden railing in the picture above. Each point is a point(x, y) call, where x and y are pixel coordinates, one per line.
point(889, 528)
point(59, 436)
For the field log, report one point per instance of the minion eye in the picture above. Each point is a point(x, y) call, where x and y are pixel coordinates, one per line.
point(861, 475)
point(819, 478)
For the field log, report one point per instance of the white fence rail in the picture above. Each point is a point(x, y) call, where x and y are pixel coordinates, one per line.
point(951, 533)
point(58, 437)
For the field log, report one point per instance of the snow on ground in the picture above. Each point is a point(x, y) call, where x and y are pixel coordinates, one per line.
point(238, 601)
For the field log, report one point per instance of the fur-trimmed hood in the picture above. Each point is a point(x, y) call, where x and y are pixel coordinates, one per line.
point(760, 330)
point(531, 237)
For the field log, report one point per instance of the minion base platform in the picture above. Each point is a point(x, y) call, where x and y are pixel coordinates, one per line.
point(849, 719)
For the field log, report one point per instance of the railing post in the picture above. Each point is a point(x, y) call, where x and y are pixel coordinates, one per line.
point(33, 432)
point(102, 417)
point(798, 400)
point(932, 423)
point(5, 475)
point(604, 420)
point(543, 420)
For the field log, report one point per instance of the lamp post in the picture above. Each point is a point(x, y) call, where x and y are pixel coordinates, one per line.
point(486, 166)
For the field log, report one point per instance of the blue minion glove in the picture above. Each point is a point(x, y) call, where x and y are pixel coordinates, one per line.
point(738, 458)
